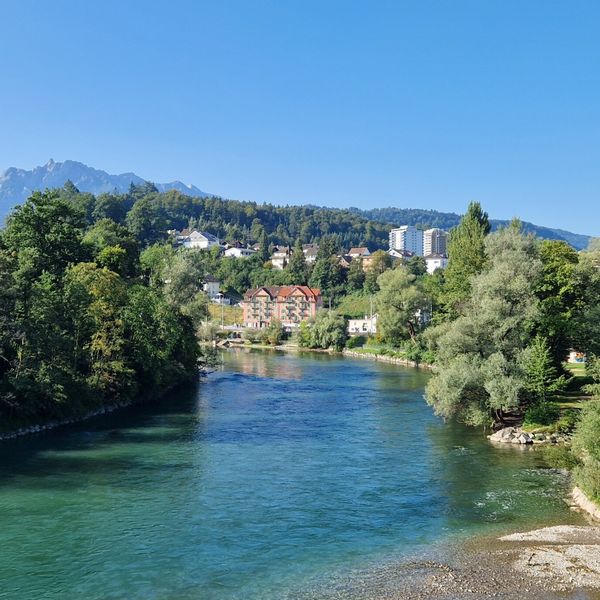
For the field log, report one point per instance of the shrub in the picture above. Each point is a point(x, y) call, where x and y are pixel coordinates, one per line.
point(542, 413)
point(357, 341)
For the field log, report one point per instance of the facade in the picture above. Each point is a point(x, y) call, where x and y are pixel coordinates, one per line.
point(436, 261)
point(366, 325)
point(211, 287)
point(290, 305)
point(435, 241)
point(281, 257)
point(235, 252)
point(359, 252)
point(400, 254)
point(310, 253)
point(194, 239)
point(408, 238)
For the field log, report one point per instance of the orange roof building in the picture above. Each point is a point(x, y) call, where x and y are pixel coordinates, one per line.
point(290, 304)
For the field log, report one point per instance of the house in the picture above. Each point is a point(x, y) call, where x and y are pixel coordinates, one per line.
point(345, 260)
point(366, 325)
point(212, 287)
point(435, 262)
point(192, 238)
point(281, 257)
point(359, 252)
point(236, 252)
point(289, 304)
point(401, 254)
point(310, 252)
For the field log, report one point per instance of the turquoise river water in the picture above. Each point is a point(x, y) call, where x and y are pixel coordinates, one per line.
point(274, 474)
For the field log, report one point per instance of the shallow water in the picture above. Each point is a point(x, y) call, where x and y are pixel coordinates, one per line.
point(277, 473)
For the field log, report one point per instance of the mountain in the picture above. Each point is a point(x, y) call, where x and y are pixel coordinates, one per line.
point(18, 184)
point(444, 220)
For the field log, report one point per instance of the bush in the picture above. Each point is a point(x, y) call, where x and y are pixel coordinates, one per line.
point(586, 447)
point(542, 413)
point(357, 341)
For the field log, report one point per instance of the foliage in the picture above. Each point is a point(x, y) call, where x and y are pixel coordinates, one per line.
point(540, 375)
point(356, 341)
point(466, 256)
point(326, 330)
point(478, 375)
point(586, 447)
point(400, 304)
point(273, 334)
point(77, 328)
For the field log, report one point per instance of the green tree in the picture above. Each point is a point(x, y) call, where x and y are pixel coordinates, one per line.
point(297, 267)
point(478, 376)
point(326, 330)
point(541, 379)
point(466, 257)
point(400, 304)
point(356, 275)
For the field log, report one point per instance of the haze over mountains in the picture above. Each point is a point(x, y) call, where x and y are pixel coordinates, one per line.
point(18, 184)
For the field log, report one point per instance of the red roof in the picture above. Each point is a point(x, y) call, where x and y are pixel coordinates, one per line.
point(284, 291)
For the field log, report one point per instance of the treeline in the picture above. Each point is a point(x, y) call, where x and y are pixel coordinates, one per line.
point(432, 218)
point(149, 214)
point(83, 321)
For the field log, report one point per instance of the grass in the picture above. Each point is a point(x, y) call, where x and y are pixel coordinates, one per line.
point(231, 314)
point(354, 306)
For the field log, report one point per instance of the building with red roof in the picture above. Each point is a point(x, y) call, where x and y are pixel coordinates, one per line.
point(290, 304)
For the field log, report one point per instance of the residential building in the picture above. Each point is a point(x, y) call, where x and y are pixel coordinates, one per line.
point(435, 241)
point(211, 287)
point(345, 260)
point(401, 254)
point(408, 238)
point(366, 325)
point(290, 305)
point(281, 257)
point(192, 238)
point(310, 252)
point(436, 261)
point(359, 252)
point(236, 252)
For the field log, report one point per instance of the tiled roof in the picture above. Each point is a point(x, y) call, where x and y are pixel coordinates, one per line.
point(283, 291)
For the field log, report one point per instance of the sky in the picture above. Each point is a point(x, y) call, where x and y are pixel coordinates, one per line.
point(420, 104)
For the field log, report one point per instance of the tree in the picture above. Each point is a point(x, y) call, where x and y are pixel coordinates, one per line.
point(121, 252)
point(561, 296)
point(356, 275)
point(326, 330)
point(297, 267)
point(416, 265)
point(466, 257)
point(400, 304)
point(541, 378)
point(380, 262)
point(478, 376)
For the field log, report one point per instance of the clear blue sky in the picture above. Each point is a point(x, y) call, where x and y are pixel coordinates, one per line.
point(412, 104)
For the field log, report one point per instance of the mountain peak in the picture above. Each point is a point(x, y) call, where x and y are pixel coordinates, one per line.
point(17, 184)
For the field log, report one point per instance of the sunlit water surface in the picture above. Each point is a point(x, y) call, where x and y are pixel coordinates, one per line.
point(277, 473)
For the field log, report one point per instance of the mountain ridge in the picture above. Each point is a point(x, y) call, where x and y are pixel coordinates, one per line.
point(18, 184)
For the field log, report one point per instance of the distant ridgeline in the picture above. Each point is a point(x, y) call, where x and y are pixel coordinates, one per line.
point(176, 205)
point(432, 218)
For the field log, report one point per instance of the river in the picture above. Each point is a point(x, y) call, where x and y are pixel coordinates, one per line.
point(275, 475)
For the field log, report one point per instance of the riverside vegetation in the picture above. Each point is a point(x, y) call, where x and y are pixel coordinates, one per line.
point(97, 307)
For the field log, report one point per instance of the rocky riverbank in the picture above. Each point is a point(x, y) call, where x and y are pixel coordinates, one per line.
point(515, 435)
point(387, 359)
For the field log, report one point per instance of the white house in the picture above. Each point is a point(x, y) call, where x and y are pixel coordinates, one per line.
point(310, 252)
point(239, 252)
point(366, 325)
point(281, 257)
point(212, 287)
point(436, 261)
point(359, 252)
point(192, 238)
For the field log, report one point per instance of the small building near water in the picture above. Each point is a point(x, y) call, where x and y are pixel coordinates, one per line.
point(365, 326)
